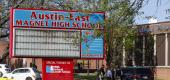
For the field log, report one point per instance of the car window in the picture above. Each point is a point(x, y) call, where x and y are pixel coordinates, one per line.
point(0, 66)
point(16, 71)
point(25, 71)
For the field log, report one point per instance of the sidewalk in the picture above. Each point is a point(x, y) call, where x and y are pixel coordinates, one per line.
point(85, 74)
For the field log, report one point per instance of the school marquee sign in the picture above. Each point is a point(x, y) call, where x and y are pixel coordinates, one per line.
point(58, 34)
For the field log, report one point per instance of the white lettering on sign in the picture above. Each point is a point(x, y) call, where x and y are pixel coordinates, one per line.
point(58, 69)
point(57, 62)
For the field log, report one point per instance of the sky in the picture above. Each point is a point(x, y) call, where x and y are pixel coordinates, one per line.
point(150, 8)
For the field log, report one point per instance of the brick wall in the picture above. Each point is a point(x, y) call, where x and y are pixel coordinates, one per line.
point(163, 73)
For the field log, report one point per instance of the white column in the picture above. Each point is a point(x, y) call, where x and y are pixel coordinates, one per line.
point(154, 45)
point(166, 49)
point(155, 59)
point(133, 55)
point(24, 62)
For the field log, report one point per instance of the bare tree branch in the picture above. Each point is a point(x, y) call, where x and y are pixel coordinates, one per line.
point(6, 18)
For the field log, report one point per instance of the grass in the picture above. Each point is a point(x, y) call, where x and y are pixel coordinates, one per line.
point(85, 76)
point(5, 79)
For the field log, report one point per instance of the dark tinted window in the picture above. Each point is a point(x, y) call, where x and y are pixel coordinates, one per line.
point(143, 71)
point(25, 71)
point(16, 71)
point(21, 71)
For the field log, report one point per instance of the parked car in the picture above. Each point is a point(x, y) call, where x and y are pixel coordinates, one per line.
point(24, 74)
point(137, 73)
point(4, 69)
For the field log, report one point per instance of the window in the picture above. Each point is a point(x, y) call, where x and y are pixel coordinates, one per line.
point(16, 71)
point(26, 71)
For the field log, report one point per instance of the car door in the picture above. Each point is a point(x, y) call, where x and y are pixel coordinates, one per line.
point(27, 73)
point(18, 74)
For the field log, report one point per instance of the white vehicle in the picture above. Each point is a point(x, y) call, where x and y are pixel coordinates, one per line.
point(4, 69)
point(24, 74)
